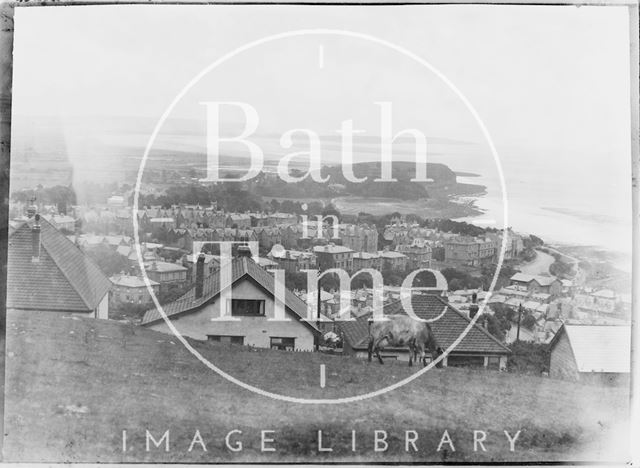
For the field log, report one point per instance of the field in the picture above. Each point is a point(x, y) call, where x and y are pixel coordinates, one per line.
point(73, 385)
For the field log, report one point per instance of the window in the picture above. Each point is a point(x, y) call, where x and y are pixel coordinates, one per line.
point(229, 339)
point(247, 307)
point(286, 344)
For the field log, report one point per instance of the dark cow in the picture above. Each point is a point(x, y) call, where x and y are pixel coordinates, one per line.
point(402, 330)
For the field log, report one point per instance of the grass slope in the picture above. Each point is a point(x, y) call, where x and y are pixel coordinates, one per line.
point(72, 386)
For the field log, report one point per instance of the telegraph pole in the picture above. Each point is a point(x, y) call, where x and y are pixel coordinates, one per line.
point(318, 304)
point(519, 318)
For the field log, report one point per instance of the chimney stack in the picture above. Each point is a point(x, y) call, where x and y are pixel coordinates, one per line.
point(35, 240)
point(244, 251)
point(200, 275)
point(473, 308)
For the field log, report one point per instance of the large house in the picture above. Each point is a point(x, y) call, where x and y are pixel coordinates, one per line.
point(591, 353)
point(48, 272)
point(396, 261)
point(253, 303)
point(293, 261)
point(334, 256)
point(477, 348)
point(131, 289)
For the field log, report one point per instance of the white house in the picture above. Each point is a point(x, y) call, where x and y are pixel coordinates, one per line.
point(252, 305)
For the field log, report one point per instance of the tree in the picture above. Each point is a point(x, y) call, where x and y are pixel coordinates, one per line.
point(528, 358)
point(275, 205)
point(529, 321)
point(496, 327)
point(330, 210)
point(109, 261)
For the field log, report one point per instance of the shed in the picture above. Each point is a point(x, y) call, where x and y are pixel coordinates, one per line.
point(592, 353)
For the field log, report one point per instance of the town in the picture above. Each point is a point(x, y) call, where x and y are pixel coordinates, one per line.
point(528, 319)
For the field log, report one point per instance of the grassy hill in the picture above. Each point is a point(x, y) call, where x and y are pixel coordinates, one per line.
point(72, 386)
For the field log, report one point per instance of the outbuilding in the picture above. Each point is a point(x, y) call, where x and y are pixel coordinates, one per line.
point(591, 353)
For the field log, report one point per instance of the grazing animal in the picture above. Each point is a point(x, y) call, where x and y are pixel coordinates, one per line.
point(402, 330)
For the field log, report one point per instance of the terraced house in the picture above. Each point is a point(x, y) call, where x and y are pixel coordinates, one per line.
point(334, 256)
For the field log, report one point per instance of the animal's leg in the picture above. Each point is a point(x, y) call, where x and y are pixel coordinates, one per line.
point(377, 348)
point(374, 346)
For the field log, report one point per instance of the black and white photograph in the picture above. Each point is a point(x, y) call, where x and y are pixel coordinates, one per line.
point(254, 233)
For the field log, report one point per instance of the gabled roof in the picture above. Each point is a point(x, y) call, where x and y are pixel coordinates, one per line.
point(446, 329)
point(64, 279)
point(541, 280)
point(241, 268)
point(598, 348)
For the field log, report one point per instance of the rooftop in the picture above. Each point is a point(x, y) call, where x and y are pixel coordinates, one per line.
point(599, 348)
point(332, 249)
point(64, 278)
point(448, 325)
point(129, 281)
point(164, 267)
point(541, 280)
point(241, 268)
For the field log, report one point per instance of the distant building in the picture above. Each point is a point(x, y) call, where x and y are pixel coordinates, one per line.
point(293, 261)
point(601, 301)
point(395, 261)
point(591, 354)
point(362, 260)
point(62, 222)
point(48, 272)
point(283, 218)
point(129, 289)
point(470, 251)
point(461, 251)
point(544, 284)
point(418, 254)
point(166, 273)
point(116, 202)
point(253, 303)
point(334, 256)
point(358, 237)
point(211, 264)
point(238, 220)
point(164, 222)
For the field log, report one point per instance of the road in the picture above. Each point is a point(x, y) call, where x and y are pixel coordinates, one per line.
point(539, 265)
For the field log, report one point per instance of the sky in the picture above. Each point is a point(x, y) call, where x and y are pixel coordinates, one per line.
point(551, 84)
point(544, 77)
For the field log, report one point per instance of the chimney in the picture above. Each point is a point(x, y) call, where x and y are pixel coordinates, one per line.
point(35, 240)
point(244, 251)
point(473, 308)
point(200, 275)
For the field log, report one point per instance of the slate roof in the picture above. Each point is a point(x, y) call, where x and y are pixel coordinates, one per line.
point(541, 280)
point(446, 329)
point(64, 279)
point(241, 268)
point(599, 348)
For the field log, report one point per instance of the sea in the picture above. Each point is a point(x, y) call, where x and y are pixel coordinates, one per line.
point(580, 199)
